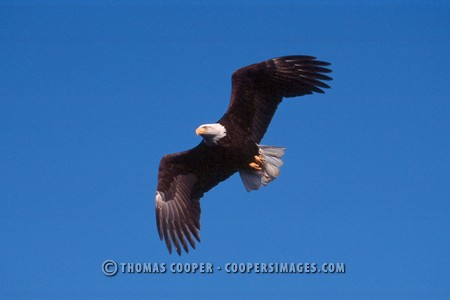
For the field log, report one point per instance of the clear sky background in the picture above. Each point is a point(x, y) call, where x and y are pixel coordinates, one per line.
point(92, 96)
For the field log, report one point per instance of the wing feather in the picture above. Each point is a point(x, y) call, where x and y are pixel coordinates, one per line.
point(259, 88)
point(181, 183)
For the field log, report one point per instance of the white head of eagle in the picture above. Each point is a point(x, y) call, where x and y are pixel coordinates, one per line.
point(211, 133)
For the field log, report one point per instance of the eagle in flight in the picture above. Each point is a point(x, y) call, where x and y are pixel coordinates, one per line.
point(232, 144)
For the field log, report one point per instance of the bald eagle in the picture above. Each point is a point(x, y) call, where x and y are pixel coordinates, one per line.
point(232, 144)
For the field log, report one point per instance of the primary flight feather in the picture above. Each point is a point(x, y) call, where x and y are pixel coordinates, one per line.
point(232, 144)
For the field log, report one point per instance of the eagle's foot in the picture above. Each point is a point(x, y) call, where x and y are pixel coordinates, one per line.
point(255, 166)
point(259, 159)
point(263, 168)
point(258, 163)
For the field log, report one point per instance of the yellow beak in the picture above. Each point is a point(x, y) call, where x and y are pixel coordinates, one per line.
point(200, 130)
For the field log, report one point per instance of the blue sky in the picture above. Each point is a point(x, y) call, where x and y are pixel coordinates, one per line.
point(93, 95)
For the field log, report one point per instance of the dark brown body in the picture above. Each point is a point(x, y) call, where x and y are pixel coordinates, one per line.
point(210, 162)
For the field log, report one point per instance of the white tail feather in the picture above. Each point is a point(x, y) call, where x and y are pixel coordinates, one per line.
point(270, 168)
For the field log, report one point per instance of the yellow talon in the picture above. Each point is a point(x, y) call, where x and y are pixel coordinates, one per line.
point(259, 158)
point(255, 166)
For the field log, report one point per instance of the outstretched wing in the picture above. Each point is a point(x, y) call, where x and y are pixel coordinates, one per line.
point(183, 178)
point(259, 88)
